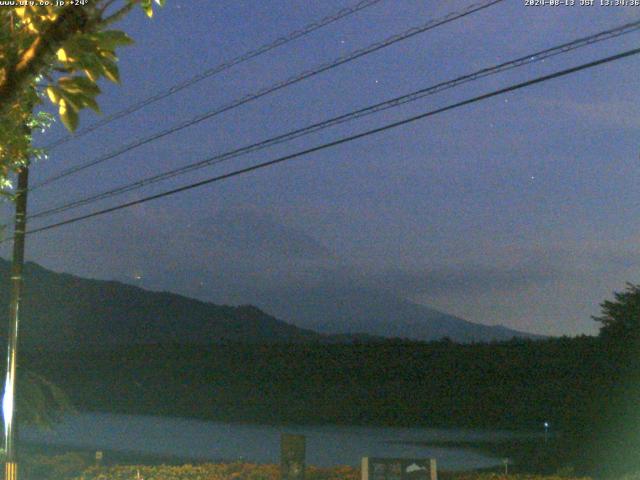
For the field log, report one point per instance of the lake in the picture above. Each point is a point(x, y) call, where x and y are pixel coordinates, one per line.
point(214, 441)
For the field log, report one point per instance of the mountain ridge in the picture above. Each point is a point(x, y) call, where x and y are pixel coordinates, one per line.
point(110, 313)
point(61, 310)
point(379, 313)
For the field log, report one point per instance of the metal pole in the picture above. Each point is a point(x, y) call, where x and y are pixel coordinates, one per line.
point(8, 401)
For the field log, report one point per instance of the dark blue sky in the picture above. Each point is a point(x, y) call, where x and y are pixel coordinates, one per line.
point(520, 210)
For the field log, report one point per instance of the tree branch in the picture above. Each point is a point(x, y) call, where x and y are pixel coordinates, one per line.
point(16, 77)
point(116, 16)
point(106, 5)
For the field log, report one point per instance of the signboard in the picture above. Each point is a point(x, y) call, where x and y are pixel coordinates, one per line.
point(399, 469)
point(292, 456)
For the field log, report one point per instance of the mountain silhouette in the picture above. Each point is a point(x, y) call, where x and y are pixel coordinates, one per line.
point(64, 311)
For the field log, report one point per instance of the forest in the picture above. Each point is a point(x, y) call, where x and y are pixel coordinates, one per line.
point(586, 388)
point(576, 384)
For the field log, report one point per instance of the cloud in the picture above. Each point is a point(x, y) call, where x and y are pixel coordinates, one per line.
point(601, 114)
point(464, 279)
point(245, 255)
point(252, 231)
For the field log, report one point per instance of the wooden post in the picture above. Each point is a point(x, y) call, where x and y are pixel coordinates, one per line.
point(292, 456)
point(433, 469)
point(364, 470)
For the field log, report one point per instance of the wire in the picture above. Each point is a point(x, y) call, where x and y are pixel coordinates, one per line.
point(340, 141)
point(392, 103)
point(278, 86)
point(210, 72)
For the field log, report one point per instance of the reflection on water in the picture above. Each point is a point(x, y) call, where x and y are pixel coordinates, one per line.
point(203, 440)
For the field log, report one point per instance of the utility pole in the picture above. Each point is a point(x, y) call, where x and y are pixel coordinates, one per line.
point(9, 399)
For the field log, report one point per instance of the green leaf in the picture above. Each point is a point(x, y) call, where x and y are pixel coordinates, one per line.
point(87, 100)
point(71, 101)
point(68, 115)
point(92, 68)
point(110, 39)
point(147, 7)
point(110, 70)
point(92, 74)
point(81, 45)
point(108, 54)
point(92, 104)
point(54, 94)
point(79, 93)
point(78, 85)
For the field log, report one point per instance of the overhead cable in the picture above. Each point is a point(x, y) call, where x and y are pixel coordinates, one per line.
point(473, 8)
point(212, 71)
point(535, 57)
point(340, 141)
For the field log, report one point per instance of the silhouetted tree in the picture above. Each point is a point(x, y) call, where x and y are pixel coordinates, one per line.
point(608, 432)
point(620, 319)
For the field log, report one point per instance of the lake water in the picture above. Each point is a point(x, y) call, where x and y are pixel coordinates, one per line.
point(204, 440)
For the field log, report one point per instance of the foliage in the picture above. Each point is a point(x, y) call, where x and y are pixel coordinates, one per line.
point(588, 388)
point(603, 434)
point(227, 471)
point(59, 53)
point(40, 402)
point(248, 471)
point(620, 319)
point(516, 384)
point(55, 467)
point(79, 466)
point(499, 476)
point(510, 385)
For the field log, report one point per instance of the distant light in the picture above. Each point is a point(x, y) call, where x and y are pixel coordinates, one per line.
point(546, 424)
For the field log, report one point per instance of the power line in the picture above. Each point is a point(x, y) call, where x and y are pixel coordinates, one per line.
point(392, 103)
point(278, 86)
point(210, 72)
point(341, 141)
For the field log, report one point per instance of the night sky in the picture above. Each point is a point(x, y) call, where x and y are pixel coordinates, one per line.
point(520, 210)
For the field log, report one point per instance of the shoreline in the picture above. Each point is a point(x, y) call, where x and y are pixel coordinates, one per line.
point(116, 457)
point(482, 429)
point(170, 440)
